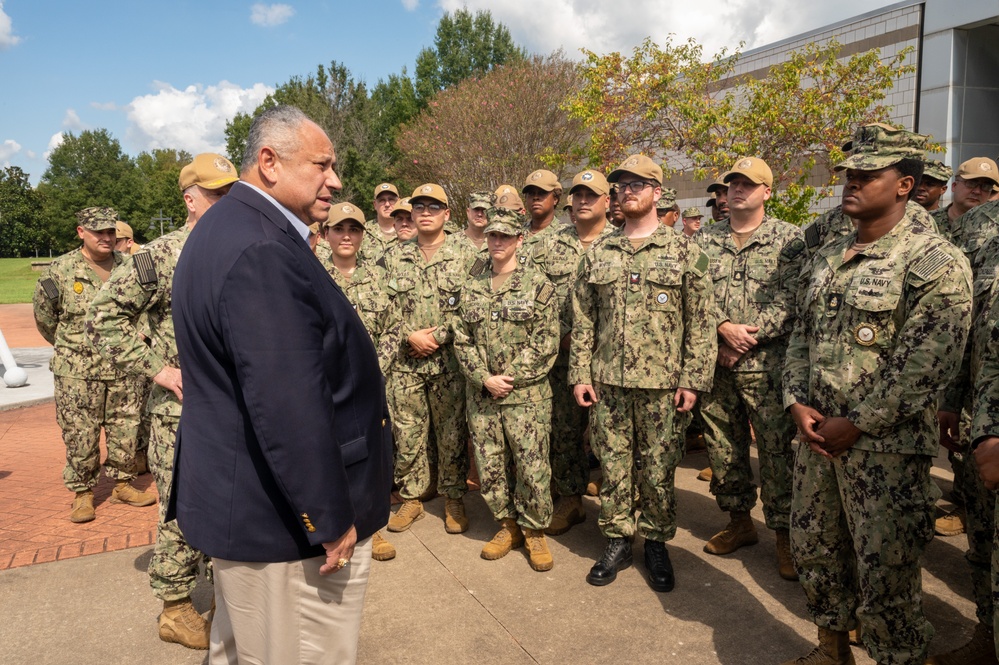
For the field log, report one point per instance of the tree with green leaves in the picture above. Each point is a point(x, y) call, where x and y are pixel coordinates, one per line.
point(495, 129)
point(88, 169)
point(161, 196)
point(20, 214)
point(465, 45)
point(696, 116)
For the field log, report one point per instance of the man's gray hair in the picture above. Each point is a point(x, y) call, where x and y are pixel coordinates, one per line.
point(277, 128)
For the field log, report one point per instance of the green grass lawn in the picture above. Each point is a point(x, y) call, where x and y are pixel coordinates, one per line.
point(17, 280)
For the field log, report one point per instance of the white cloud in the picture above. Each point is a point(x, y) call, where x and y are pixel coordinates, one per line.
point(410, 5)
point(8, 149)
point(54, 143)
point(602, 26)
point(7, 36)
point(268, 16)
point(191, 119)
point(104, 106)
point(72, 122)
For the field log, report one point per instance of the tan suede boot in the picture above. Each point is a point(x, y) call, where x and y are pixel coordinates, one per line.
point(568, 513)
point(537, 548)
point(979, 651)
point(454, 516)
point(950, 525)
point(785, 562)
point(739, 532)
point(381, 549)
point(593, 487)
point(83, 507)
point(509, 537)
point(181, 623)
point(125, 493)
point(706, 474)
point(833, 649)
point(410, 511)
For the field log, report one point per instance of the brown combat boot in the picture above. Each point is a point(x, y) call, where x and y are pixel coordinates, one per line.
point(568, 513)
point(181, 623)
point(593, 487)
point(951, 525)
point(785, 562)
point(454, 516)
point(740, 531)
point(706, 474)
point(509, 537)
point(83, 507)
point(979, 651)
point(381, 549)
point(833, 649)
point(125, 493)
point(537, 549)
point(410, 511)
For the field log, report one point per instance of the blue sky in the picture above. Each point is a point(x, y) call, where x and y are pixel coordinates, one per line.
point(168, 74)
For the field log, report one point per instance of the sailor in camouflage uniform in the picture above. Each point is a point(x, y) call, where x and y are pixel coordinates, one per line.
point(936, 175)
point(506, 335)
point(474, 233)
point(542, 191)
point(755, 262)
point(883, 318)
point(89, 392)
point(140, 290)
point(380, 232)
point(971, 188)
point(643, 345)
point(425, 280)
point(558, 259)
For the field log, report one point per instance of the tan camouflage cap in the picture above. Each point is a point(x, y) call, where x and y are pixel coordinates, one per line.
point(718, 184)
point(937, 170)
point(401, 205)
point(878, 146)
point(342, 211)
point(753, 168)
point(208, 170)
point(667, 200)
point(429, 191)
point(568, 202)
point(480, 200)
point(639, 165)
point(595, 181)
point(123, 230)
point(98, 218)
point(542, 179)
point(505, 221)
point(690, 213)
point(508, 197)
point(386, 187)
point(978, 168)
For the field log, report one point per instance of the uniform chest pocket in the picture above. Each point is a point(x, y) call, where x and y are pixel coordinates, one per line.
point(762, 280)
point(984, 282)
point(517, 323)
point(450, 292)
point(603, 274)
point(718, 269)
point(873, 320)
point(402, 284)
point(473, 314)
point(663, 288)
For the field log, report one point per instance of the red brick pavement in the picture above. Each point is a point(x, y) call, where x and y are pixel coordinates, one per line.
point(35, 505)
point(18, 325)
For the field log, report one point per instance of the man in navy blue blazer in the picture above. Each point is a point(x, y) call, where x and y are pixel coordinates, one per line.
point(282, 469)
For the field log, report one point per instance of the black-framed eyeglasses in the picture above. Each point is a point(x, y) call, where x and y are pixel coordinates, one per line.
point(635, 187)
point(981, 185)
point(432, 207)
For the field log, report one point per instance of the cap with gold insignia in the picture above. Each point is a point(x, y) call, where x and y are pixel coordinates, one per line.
point(719, 183)
point(429, 191)
point(508, 197)
point(568, 203)
point(753, 168)
point(691, 212)
point(878, 146)
point(480, 200)
point(595, 181)
point(978, 168)
point(505, 221)
point(667, 200)
point(542, 179)
point(344, 211)
point(937, 170)
point(123, 230)
point(98, 218)
point(402, 205)
point(386, 187)
point(639, 165)
point(208, 170)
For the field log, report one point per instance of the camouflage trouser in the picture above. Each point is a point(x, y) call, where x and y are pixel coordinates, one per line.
point(425, 405)
point(859, 524)
point(736, 400)
point(145, 423)
point(636, 435)
point(995, 570)
point(570, 467)
point(511, 453)
point(957, 460)
point(980, 506)
point(173, 569)
point(83, 406)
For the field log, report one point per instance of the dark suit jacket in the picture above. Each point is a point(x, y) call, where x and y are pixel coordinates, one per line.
point(284, 440)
